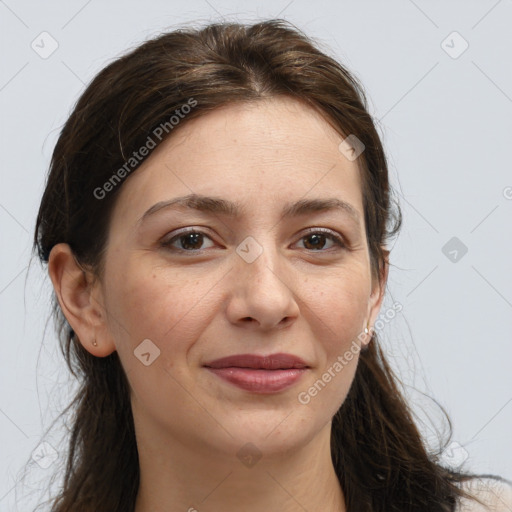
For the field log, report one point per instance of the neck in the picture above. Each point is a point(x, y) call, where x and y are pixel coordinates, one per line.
point(180, 476)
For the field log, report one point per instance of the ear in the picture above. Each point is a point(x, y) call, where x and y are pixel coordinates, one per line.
point(81, 300)
point(377, 295)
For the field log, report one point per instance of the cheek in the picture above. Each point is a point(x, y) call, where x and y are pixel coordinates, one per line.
point(338, 310)
point(340, 304)
point(155, 304)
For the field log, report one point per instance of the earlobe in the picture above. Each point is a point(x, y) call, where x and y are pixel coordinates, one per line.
point(74, 288)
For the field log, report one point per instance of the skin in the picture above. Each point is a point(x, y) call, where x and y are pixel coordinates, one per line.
point(199, 306)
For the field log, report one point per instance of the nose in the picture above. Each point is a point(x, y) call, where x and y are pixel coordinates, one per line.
point(262, 293)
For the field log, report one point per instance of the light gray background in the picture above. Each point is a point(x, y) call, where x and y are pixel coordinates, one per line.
point(446, 124)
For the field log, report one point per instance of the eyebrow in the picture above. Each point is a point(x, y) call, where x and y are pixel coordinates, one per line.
point(216, 205)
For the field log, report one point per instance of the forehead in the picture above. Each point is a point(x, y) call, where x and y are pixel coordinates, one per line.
point(274, 150)
point(278, 127)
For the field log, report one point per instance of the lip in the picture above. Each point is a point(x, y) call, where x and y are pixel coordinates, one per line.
point(258, 380)
point(279, 361)
point(259, 374)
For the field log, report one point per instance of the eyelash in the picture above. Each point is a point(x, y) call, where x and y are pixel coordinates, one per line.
point(338, 241)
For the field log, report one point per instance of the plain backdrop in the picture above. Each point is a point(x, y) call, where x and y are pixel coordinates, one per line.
point(439, 82)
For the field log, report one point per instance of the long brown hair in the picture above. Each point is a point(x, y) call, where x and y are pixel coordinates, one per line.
point(379, 455)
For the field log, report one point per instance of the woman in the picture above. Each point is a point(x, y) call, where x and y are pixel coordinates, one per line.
point(215, 224)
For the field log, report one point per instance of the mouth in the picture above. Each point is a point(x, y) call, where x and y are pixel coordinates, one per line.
point(259, 374)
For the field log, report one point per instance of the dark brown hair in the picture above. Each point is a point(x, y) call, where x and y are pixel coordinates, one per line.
point(379, 455)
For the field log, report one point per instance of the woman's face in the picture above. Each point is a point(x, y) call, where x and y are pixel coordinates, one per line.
point(254, 282)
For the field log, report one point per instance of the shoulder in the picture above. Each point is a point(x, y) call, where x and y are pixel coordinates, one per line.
point(495, 494)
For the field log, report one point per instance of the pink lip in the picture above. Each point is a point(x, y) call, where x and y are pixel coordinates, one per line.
point(259, 381)
point(278, 361)
point(259, 374)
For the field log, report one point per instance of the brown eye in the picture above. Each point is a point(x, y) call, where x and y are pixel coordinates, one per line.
point(316, 240)
point(189, 241)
